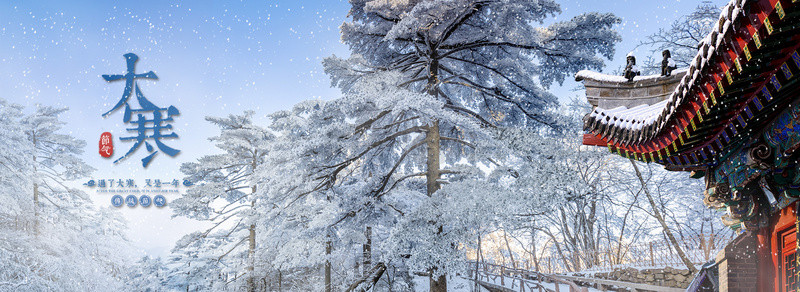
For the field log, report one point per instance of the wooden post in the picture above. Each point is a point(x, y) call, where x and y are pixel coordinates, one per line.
point(652, 259)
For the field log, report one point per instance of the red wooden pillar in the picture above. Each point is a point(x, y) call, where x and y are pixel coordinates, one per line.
point(765, 265)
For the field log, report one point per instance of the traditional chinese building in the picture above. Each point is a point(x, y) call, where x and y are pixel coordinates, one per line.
point(732, 118)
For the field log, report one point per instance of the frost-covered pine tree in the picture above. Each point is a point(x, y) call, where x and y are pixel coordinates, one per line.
point(147, 275)
point(55, 161)
point(300, 204)
point(348, 169)
point(486, 60)
point(359, 163)
point(482, 58)
point(195, 264)
point(15, 152)
point(225, 196)
point(51, 238)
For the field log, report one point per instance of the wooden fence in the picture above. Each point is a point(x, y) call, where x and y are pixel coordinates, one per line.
point(518, 279)
point(699, 250)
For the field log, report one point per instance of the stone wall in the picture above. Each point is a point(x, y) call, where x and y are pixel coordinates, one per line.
point(609, 92)
point(738, 265)
point(667, 277)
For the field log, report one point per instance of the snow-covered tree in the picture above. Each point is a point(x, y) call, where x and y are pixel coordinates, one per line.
point(195, 265)
point(304, 202)
point(482, 58)
point(485, 60)
point(352, 172)
point(51, 238)
point(603, 211)
point(55, 161)
point(225, 196)
point(681, 37)
point(16, 163)
point(147, 275)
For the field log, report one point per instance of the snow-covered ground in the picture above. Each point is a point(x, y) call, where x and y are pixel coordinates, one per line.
point(459, 284)
point(514, 285)
point(454, 284)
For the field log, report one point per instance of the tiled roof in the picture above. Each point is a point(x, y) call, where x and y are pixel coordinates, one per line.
point(622, 123)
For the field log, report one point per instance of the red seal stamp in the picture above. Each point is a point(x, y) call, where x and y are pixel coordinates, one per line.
point(106, 145)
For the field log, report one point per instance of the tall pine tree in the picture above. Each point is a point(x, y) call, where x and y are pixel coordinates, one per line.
point(483, 59)
point(225, 195)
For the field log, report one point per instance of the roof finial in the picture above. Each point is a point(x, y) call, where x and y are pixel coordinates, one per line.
point(667, 65)
point(631, 70)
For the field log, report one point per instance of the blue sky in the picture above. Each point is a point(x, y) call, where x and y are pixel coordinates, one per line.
point(212, 58)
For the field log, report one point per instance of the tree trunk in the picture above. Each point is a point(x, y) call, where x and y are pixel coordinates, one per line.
point(367, 250)
point(328, 248)
point(35, 189)
point(433, 143)
point(369, 279)
point(589, 238)
point(619, 253)
point(251, 252)
point(508, 247)
point(533, 250)
point(563, 257)
point(477, 262)
point(251, 282)
point(439, 284)
point(328, 285)
point(36, 209)
point(657, 214)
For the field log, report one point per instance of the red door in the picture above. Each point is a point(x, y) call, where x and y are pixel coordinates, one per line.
point(788, 272)
point(784, 248)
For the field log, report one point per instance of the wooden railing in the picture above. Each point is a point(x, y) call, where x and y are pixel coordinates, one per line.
point(603, 283)
point(518, 279)
point(699, 250)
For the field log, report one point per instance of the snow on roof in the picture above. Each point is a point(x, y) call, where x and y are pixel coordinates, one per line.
point(623, 118)
point(602, 77)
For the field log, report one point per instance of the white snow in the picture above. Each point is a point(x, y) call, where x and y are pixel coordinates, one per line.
point(602, 77)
